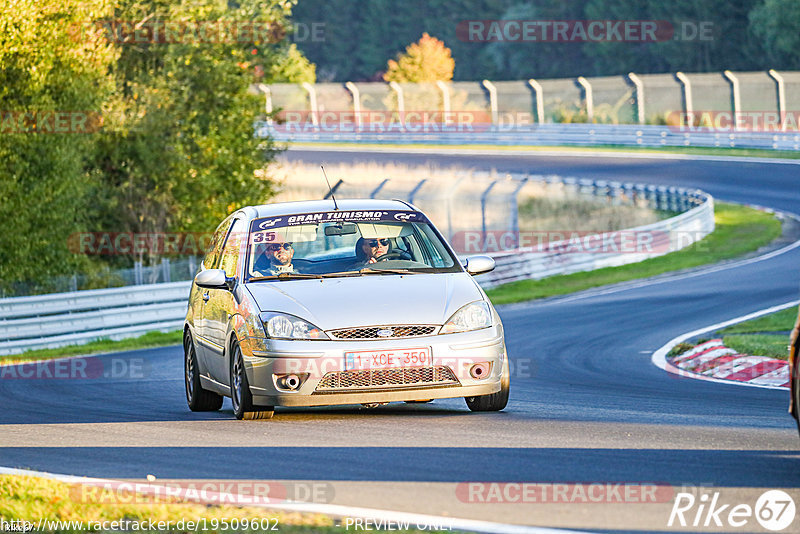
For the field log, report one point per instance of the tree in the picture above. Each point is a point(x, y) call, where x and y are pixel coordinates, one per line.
point(179, 152)
point(427, 60)
point(45, 193)
point(775, 24)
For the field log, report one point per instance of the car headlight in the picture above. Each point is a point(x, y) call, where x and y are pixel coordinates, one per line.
point(285, 326)
point(473, 316)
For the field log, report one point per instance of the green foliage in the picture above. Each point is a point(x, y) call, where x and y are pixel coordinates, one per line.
point(775, 23)
point(427, 60)
point(43, 69)
point(745, 35)
point(176, 151)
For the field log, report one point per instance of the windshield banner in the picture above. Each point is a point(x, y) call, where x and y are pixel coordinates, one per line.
point(393, 216)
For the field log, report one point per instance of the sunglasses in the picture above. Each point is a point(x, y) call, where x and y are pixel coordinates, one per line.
point(374, 242)
point(275, 247)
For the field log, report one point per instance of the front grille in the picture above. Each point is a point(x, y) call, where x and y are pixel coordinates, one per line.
point(371, 332)
point(440, 375)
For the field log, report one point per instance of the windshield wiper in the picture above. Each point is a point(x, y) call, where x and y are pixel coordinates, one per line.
point(373, 270)
point(284, 276)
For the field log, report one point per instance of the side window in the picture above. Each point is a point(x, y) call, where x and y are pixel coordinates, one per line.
point(233, 248)
point(215, 247)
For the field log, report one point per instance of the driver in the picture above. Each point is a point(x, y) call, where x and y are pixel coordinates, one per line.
point(374, 249)
point(280, 259)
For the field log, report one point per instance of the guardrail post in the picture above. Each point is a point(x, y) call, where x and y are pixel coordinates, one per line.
point(538, 96)
point(445, 100)
point(192, 266)
point(736, 104)
point(515, 210)
point(165, 270)
point(416, 189)
point(378, 189)
point(492, 90)
point(138, 278)
point(780, 88)
point(333, 189)
point(312, 100)
point(587, 96)
point(484, 196)
point(639, 98)
point(686, 96)
point(267, 102)
point(401, 105)
point(356, 102)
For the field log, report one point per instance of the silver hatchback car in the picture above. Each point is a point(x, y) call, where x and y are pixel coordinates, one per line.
point(360, 302)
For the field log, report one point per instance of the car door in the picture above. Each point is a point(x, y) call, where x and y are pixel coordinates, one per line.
point(200, 296)
point(221, 305)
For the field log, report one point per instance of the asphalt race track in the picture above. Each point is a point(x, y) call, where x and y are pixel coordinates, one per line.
point(587, 405)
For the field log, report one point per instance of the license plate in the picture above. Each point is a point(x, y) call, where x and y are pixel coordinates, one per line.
point(388, 359)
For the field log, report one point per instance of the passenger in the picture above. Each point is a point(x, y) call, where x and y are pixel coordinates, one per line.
point(280, 257)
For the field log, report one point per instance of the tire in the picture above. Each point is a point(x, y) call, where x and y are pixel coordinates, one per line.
point(199, 399)
point(494, 402)
point(241, 397)
point(796, 392)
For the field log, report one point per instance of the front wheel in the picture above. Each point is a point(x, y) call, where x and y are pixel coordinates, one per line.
point(241, 397)
point(795, 377)
point(199, 399)
point(494, 402)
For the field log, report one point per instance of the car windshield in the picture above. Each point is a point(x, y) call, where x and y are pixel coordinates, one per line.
point(345, 243)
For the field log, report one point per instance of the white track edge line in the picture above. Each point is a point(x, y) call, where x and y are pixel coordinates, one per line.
point(471, 525)
point(659, 358)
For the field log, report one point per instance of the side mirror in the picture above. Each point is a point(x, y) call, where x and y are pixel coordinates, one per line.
point(479, 264)
point(214, 279)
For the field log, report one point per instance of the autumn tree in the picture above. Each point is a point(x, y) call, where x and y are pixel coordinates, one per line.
point(427, 60)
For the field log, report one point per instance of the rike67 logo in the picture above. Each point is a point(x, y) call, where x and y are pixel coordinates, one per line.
point(774, 510)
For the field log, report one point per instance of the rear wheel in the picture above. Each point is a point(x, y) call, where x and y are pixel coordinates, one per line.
point(199, 399)
point(493, 402)
point(241, 397)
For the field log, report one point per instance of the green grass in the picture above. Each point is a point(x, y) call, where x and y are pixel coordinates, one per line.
point(781, 321)
point(739, 230)
point(773, 346)
point(698, 151)
point(31, 498)
point(151, 339)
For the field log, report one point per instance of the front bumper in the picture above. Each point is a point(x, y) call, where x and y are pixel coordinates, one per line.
point(317, 361)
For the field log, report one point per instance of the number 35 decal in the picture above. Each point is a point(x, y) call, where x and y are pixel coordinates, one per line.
point(263, 237)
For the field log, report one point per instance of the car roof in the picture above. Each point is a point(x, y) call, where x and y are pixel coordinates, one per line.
point(313, 206)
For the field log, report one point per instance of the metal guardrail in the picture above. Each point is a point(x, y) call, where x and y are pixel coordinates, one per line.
point(54, 320)
point(560, 257)
point(548, 135)
point(58, 319)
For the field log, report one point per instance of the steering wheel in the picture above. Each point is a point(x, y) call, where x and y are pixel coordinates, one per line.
point(394, 255)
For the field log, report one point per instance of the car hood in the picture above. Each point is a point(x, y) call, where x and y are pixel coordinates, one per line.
point(369, 300)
